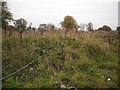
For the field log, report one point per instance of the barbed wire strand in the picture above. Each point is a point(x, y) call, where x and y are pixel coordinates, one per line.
point(17, 71)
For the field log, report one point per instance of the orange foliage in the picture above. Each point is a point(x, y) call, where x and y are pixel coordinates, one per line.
point(69, 23)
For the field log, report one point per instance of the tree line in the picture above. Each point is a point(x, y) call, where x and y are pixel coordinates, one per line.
point(68, 24)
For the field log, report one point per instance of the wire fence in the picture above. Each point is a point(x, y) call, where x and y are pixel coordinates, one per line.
point(17, 71)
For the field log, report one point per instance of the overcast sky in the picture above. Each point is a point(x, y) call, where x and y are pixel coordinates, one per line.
point(99, 12)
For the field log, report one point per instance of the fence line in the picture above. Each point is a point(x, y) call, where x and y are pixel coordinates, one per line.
point(17, 71)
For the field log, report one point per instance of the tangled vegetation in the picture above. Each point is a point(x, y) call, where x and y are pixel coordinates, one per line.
point(48, 57)
point(86, 59)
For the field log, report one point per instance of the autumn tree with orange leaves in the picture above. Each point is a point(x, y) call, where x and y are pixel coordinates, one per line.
point(69, 23)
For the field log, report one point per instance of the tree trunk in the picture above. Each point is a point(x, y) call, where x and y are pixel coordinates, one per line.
point(10, 33)
point(41, 32)
point(21, 36)
point(66, 31)
point(5, 31)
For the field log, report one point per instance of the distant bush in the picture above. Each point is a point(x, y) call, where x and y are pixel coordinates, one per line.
point(118, 28)
point(105, 28)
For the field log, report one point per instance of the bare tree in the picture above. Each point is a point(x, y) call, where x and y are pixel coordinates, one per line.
point(90, 26)
point(82, 27)
point(20, 25)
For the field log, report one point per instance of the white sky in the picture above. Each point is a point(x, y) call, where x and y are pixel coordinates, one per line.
point(99, 12)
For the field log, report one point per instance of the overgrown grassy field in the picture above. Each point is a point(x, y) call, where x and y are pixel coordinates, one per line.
point(84, 59)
